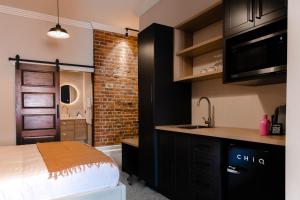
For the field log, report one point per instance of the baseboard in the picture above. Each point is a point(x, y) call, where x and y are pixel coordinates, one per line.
point(109, 148)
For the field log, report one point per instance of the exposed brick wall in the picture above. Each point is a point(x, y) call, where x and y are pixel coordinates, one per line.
point(115, 87)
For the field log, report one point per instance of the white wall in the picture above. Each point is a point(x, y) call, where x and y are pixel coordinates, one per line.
point(293, 103)
point(119, 13)
point(27, 37)
point(236, 106)
point(172, 12)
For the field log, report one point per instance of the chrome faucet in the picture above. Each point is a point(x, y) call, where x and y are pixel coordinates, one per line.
point(209, 119)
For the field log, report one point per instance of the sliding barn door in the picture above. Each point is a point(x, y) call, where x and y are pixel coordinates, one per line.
point(37, 103)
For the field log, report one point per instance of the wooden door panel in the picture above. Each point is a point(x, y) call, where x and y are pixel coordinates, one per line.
point(44, 111)
point(28, 89)
point(36, 100)
point(33, 140)
point(34, 122)
point(35, 78)
point(37, 103)
point(39, 133)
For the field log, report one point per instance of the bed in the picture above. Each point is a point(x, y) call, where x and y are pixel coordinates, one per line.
point(24, 175)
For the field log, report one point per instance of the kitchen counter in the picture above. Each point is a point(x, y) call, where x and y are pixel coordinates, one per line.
point(131, 141)
point(249, 135)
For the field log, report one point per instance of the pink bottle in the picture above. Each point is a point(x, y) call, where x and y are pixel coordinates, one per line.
point(264, 126)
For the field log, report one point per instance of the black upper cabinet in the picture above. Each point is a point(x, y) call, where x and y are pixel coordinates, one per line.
point(269, 10)
point(161, 101)
point(238, 16)
point(243, 15)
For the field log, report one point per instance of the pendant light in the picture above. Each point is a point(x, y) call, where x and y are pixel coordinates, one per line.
point(57, 31)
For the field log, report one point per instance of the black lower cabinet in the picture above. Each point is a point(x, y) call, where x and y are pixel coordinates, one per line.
point(191, 167)
point(188, 167)
point(182, 167)
point(166, 164)
point(205, 169)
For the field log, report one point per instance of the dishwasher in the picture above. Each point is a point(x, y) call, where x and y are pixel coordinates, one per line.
point(255, 173)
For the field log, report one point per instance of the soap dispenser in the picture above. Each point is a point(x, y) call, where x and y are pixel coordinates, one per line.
point(264, 125)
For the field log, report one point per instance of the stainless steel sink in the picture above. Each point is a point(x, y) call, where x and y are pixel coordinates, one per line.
point(192, 126)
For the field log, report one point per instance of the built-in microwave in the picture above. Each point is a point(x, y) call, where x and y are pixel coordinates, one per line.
point(258, 56)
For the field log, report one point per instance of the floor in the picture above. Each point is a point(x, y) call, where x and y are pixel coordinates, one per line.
point(138, 190)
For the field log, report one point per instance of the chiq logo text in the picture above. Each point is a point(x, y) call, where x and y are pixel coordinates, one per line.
point(252, 159)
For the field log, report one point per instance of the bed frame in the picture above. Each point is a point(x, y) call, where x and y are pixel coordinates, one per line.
point(111, 193)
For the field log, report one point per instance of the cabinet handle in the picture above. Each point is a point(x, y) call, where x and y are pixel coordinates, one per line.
point(250, 11)
point(151, 93)
point(258, 9)
point(233, 170)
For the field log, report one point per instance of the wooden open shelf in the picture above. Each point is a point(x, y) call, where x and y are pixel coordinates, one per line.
point(201, 77)
point(202, 48)
point(208, 16)
point(198, 42)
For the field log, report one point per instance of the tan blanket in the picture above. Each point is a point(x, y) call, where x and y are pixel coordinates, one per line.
point(64, 158)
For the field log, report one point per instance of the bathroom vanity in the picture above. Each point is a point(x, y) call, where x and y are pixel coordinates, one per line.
point(73, 129)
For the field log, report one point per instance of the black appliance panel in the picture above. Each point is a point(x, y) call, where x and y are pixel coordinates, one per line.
point(254, 56)
point(255, 174)
point(258, 54)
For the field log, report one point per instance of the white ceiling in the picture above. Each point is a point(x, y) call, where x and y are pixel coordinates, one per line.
point(121, 13)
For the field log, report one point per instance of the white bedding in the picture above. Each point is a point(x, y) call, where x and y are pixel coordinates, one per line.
point(24, 175)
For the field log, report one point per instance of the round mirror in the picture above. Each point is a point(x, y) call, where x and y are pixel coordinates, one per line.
point(68, 94)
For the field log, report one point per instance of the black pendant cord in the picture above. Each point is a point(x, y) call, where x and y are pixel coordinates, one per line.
point(57, 4)
point(18, 60)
